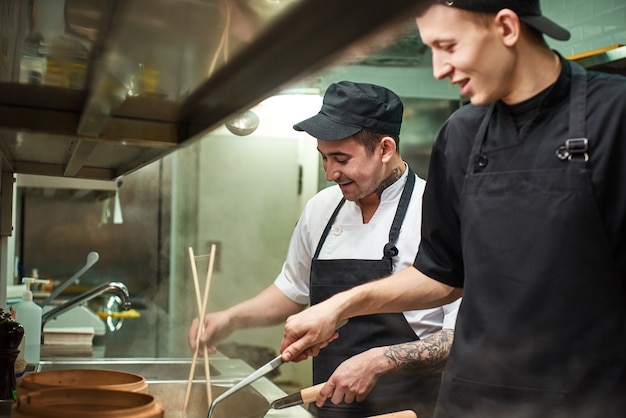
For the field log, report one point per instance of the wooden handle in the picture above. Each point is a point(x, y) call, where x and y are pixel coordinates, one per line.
point(309, 394)
point(400, 414)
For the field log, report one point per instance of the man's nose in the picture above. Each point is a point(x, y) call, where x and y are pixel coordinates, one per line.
point(441, 69)
point(332, 173)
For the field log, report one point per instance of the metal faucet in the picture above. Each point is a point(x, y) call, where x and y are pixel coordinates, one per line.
point(119, 287)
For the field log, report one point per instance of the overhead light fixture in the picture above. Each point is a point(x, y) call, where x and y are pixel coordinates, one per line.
point(279, 113)
point(243, 124)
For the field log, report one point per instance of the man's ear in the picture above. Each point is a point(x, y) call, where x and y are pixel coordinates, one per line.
point(387, 148)
point(509, 26)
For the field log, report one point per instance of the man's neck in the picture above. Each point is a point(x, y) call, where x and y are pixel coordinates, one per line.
point(395, 174)
point(370, 203)
point(536, 72)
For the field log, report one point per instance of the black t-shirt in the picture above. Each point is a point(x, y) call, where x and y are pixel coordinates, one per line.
point(525, 137)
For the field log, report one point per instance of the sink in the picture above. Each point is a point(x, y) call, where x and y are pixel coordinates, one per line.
point(249, 402)
point(246, 403)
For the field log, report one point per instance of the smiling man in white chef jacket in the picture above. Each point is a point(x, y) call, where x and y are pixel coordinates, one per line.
point(365, 227)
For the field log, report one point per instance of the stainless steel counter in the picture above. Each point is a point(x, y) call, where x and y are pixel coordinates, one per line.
point(172, 374)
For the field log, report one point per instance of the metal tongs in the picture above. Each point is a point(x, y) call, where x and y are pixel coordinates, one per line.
point(257, 374)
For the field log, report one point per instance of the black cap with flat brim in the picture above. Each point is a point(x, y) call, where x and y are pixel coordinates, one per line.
point(545, 25)
point(350, 107)
point(528, 11)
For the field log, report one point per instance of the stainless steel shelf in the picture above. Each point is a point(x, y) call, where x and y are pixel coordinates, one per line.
point(99, 88)
point(608, 60)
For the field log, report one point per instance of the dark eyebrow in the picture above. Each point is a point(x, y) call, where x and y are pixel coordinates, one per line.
point(334, 154)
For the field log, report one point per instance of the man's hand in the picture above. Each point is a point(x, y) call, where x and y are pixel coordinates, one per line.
point(355, 378)
point(270, 307)
point(307, 332)
point(216, 326)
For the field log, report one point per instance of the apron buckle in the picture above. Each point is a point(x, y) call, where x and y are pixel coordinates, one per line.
point(573, 147)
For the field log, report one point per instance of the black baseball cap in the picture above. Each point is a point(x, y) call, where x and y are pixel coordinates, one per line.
point(528, 11)
point(350, 107)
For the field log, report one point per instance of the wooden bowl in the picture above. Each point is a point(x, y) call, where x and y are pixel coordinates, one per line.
point(81, 378)
point(81, 403)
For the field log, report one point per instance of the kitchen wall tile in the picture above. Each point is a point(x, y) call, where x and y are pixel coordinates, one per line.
point(614, 20)
point(593, 24)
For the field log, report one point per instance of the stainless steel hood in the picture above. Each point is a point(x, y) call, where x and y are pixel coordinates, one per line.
point(99, 88)
point(611, 59)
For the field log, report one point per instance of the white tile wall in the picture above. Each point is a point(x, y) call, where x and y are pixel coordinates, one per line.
point(593, 23)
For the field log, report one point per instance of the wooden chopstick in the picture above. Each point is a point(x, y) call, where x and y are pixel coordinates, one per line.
point(192, 370)
point(207, 371)
point(201, 311)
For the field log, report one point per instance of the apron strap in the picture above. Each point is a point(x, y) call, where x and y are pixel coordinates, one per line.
point(475, 154)
point(390, 250)
point(578, 102)
point(327, 229)
point(576, 147)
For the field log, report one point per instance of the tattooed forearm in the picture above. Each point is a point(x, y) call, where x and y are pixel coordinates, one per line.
point(426, 356)
point(396, 173)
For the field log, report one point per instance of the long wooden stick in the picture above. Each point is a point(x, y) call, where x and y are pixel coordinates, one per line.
point(201, 311)
point(207, 370)
point(194, 273)
point(190, 381)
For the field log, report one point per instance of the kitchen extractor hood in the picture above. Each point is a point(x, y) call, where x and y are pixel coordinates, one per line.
point(99, 88)
point(610, 59)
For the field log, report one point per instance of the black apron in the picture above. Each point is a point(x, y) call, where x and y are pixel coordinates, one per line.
point(541, 329)
point(393, 391)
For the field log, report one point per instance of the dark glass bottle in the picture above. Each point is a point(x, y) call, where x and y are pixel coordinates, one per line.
point(11, 334)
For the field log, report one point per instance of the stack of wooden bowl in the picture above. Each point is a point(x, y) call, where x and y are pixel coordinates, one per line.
point(83, 392)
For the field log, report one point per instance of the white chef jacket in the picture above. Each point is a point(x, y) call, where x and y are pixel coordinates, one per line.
point(349, 238)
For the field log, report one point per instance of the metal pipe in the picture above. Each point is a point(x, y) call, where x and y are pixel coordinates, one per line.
point(119, 287)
